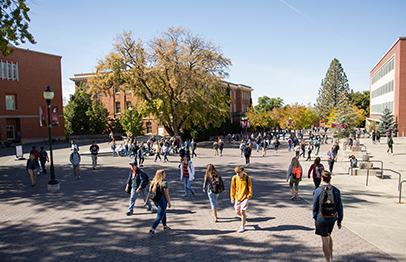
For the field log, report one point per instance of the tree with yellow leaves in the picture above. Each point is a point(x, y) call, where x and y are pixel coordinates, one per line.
point(176, 77)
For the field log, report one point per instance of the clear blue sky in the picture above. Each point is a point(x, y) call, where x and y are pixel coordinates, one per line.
point(279, 48)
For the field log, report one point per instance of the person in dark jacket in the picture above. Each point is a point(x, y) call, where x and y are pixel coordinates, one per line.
point(137, 179)
point(32, 167)
point(324, 226)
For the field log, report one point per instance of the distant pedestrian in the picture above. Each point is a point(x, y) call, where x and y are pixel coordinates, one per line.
point(113, 147)
point(43, 158)
point(160, 186)
point(240, 193)
point(390, 146)
point(221, 147)
point(378, 138)
point(94, 151)
point(309, 149)
point(35, 152)
point(75, 161)
point(138, 181)
point(216, 148)
point(242, 147)
point(214, 185)
point(264, 147)
point(193, 147)
point(164, 151)
point(157, 150)
point(316, 169)
point(331, 159)
point(187, 174)
point(247, 154)
point(303, 148)
point(74, 146)
point(32, 167)
point(141, 154)
point(294, 173)
point(276, 144)
point(326, 213)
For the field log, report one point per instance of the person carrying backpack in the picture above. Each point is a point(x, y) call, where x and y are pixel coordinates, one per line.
point(240, 194)
point(247, 154)
point(327, 209)
point(213, 185)
point(138, 181)
point(317, 169)
point(295, 172)
point(159, 193)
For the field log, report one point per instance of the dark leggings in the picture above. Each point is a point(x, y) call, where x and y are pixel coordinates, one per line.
point(317, 182)
point(331, 165)
point(247, 159)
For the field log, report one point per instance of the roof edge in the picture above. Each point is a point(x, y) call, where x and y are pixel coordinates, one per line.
point(397, 40)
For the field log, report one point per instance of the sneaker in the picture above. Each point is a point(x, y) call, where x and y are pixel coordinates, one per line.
point(241, 229)
point(167, 228)
point(185, 197)
point(94, 168)
point(149, 209)
point(152, 233)
point(193, 193)
point(293, 198)
point(76, 177)
point(79, 177)
point(129, 213)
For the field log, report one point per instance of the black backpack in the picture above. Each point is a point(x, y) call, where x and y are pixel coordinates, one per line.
point(146, 180)
point(216, 185)
point(157, 194)
point(247, 150)
point(327, 203)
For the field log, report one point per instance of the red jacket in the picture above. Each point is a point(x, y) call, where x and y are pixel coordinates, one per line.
point(313, 168)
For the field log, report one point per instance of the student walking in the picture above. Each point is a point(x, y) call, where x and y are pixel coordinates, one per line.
point(295, 172)
point(326, 213)
point(157, 150)
point(187, 174)
point(214, 185)
point(390, 146)
point(94, 150)
point(331, 158)
point(137, 179)
point(160, 191)
point(43, 157)
point(240, 193)
point(247, 154)
point(75, 161)
point(317, 168)
point(193, 147)
point(242, 147)
point(32, 167)
point(309, 151)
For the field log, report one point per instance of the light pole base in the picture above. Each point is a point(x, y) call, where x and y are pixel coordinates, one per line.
point(53, 187)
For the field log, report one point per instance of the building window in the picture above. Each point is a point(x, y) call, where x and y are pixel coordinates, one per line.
point(10, 102)
point(118, 108)
point(389, 66)
point(8, 70)
point(117, 90)
point(149, 127)
point(10, 132)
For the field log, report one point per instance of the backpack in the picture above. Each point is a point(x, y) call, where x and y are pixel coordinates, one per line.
point(36, 154)
point(146, 180)
point(216, 185)
point(297, 172)
point(247, 150)
point(215, 145)
point(327, 203)
point(235, 183)
point(156, 195)
point(318, 170)
point(43, 155)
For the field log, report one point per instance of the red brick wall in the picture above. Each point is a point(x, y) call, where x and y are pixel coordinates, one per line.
point(36, 71)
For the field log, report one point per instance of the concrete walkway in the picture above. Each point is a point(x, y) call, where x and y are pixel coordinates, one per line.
point(86, 219)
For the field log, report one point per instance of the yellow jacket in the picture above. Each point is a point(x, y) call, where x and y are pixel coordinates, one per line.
point(239, 190)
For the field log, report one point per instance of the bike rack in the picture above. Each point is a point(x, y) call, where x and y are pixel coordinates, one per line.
point(396, 172)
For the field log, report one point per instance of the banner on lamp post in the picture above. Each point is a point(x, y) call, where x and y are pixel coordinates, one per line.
point(43, 116)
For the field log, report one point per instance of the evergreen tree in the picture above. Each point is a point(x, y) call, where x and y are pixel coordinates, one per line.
point(387, 122)
point(344, 114)
point(137, 125)
point(333, 87)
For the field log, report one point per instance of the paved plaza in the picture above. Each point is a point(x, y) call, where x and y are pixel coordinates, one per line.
point(86, 219)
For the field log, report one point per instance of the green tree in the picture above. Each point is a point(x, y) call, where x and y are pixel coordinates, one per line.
point(13, 24)
point(387, 123)
point(137, 125)
point(333, 86)
point(83, 115)
point(177, 78)
point(266, 103)
point(360, 100)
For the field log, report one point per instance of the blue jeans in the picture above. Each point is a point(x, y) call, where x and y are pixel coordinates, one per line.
point(143, 193)
point(43, 161)
point(166, 156)
point(186, 181)
point(213, 198)
point(289, 147)
point(161, 213)
point(257, 147)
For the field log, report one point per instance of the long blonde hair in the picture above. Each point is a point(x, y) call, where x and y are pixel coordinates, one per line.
point(157, 179)
point(211, 172)
point(295, 162)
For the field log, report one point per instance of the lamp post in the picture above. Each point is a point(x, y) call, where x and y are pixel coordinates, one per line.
point(245, 119)
point(53, 184)
point(131, 118)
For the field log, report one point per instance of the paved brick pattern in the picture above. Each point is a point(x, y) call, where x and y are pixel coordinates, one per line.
point(86, 221)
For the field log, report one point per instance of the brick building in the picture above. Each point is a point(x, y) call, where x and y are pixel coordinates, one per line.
point(388, 85)
point(120, 100)
point(24, 75)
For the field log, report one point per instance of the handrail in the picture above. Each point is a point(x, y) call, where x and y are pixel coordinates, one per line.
point(400, 192)
point(396, 172)
point(381, 165)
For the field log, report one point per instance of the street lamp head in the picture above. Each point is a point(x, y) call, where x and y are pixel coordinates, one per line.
point(48, 94)
point(130, 108)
